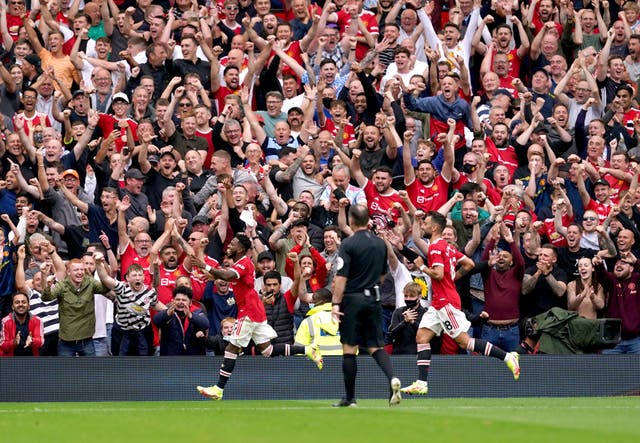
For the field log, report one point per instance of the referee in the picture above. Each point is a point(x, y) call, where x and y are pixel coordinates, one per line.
point(361, 265)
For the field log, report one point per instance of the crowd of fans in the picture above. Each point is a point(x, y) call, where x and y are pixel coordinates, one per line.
point(139, 137)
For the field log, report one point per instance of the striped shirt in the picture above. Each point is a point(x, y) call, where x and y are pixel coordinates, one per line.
point(46, 310)
point(132, 309)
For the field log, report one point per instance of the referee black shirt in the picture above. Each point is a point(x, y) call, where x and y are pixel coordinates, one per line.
point(362, 259)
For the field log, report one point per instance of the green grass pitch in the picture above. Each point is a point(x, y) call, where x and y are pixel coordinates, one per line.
point(520, 420)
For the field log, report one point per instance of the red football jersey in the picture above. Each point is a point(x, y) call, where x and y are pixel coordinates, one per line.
point(441, 253)
point(428, 198)
point(130, 256)
point(247, 299)
point(198, 279)
point(168, 282)
point(601, 209)
point(382, 203)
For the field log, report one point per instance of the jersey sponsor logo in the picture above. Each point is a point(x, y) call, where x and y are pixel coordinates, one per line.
point(339, 263)
point(166, 282)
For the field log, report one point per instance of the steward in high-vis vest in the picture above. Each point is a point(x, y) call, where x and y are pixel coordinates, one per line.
point(317, 328)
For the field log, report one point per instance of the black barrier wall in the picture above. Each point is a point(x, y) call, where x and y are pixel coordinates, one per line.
point(166, 378)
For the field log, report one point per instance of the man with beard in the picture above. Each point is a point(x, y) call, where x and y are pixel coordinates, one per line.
point(500, 149)
point(632, 61)
point(381, 197)
point(622, 286)
point(602, 203)
point(502, 278)
point(544, 17)
point(427, 189)
point(133, 183)
point(166, 273)
point(308, 178)
point(374, 155)
point(252, 320)
point(445, 313)
point(231, 76)
point(21, 332)
point(284, 34)
point(133, 303)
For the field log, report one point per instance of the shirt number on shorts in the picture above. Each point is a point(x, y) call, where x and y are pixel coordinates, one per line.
point(448, 326)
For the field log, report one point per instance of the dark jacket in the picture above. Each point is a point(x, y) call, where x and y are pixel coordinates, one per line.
point(280, 317)
point(175, 340)
point(403, 334)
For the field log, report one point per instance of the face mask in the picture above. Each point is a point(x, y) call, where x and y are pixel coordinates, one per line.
point(468, 168)
point(326, 102)
point(411, 303)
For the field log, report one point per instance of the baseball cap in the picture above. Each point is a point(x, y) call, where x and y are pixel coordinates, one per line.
point(544, 71)
point(200, 219)
point(77, 92)
point(33, 59)
point(71, 172)
point(541, 128)
point(173, 153)
point(120, 96)
point(502, 91)
point(153, 158)
point(265, 255)
point(601, 182)
point(134, 173)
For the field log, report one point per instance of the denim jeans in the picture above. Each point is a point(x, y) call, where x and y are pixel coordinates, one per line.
point(506, 338)
point(631, 346)
point(130, 342)
point(81, 348)
point(103, 344)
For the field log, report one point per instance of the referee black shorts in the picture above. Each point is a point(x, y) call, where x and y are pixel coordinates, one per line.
point(361, 323)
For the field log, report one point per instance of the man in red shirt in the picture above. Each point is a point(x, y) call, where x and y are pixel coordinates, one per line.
point(445, 313)
point(354, 11)
point(381, 197)
point(428, 190)
point(252, 319)
point(601, 190)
